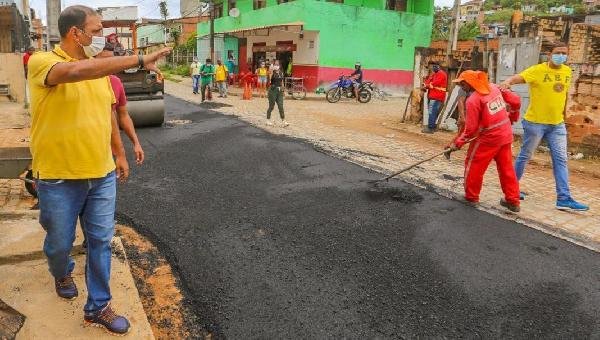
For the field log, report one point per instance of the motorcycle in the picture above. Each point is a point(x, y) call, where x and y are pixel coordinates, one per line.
point(344, 88)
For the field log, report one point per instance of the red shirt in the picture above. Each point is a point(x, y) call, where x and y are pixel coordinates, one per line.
point(26, 58)
point(487, 117)
point(117, 87)
point(437, 79)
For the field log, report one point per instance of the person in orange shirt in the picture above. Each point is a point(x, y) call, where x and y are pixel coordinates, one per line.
point(435, 85)
point(489, 126)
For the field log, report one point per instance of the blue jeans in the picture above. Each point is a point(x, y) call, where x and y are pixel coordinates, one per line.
point(195, 82)
point(61, 203)
point(556, 137)
point(434, 109)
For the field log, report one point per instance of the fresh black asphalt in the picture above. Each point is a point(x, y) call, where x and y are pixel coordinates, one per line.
point(273, 239)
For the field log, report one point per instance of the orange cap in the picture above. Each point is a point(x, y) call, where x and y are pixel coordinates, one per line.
point(477, 79)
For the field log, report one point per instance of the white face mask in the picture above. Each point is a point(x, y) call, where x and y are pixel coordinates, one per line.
point(95, 47)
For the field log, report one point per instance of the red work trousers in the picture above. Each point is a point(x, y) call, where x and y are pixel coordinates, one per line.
point(478, 159)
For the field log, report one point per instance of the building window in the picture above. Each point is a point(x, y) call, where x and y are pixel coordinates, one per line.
point(283, 1)
point(230, 4)
point(258, 4)
point(218, 11)
point(396, 5)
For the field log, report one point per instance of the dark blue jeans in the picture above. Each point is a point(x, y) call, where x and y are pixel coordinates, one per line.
point(434, 109)
point(195, 83)
point(556, 137)
point(61, 203)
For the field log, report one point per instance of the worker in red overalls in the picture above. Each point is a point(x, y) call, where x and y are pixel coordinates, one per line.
point(488, 124)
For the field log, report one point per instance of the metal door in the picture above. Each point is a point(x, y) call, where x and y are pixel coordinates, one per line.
point(514, 56)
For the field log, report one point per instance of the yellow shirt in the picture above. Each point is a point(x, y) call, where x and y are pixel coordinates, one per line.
point(71, 123)
point(548, 89)
point(221, 73)
point(262, 71)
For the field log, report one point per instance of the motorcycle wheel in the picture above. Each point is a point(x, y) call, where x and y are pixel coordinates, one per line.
point(364, 96)
point(333, 95)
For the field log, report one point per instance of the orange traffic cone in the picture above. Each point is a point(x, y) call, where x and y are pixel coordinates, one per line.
point(247, 92)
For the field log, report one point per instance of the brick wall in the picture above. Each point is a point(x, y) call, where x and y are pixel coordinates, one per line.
point(466, 45)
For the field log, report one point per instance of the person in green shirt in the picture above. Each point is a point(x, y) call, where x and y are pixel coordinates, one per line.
point(207, 71)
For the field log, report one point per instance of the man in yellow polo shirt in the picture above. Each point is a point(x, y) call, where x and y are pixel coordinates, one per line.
point(221, 75)
point(73, 138)
point(549, 84)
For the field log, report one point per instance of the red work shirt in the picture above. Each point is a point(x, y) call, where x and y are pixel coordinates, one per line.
point(117, 87)
point(437, 79)
point(488, 119)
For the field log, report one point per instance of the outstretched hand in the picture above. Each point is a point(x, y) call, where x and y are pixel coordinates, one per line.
point(151, 59)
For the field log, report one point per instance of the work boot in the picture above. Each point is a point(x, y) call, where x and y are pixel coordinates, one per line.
point(106, 318)
point(509, 206)
point(470, 203)
point(66, 288)
point(427, 130)
point(269, 122)
point(284, 123)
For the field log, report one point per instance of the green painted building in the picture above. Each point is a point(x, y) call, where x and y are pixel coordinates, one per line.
point(324, 39)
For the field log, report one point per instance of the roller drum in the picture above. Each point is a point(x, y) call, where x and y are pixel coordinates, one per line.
point(146, 112)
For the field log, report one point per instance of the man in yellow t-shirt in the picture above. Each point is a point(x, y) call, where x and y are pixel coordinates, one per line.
point(221, 75)
point(549, 84)
point(74, 136)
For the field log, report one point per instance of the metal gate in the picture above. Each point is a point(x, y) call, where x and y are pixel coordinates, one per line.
point(514, 56)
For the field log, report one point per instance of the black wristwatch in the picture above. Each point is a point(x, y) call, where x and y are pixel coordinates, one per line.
point(140, 61)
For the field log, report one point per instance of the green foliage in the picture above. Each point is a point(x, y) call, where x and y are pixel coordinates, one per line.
point(175, 35)
point(469, 31)
point(502, 16)
point(542, 5)
point(164, 10)
point(190, 44)
point(180, 70)
point(442, 21)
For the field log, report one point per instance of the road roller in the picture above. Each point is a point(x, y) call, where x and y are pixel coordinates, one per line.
point(145, 102)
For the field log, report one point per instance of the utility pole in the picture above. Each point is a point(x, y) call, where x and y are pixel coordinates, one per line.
point(453, 38)
point(212, 31)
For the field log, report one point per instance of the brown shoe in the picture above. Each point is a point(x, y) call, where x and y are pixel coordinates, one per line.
point(511, 207)
point(66, 288)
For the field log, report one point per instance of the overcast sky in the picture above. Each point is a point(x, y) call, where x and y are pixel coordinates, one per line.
point(146, 8)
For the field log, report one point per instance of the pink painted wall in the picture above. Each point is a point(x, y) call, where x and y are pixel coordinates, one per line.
point(315, 76)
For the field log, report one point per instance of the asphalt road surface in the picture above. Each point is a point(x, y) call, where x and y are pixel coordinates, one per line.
point(274, 239)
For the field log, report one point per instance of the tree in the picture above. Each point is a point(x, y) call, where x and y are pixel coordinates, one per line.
point(164, 10)
point(164, 13)
point(469, 31)
point(175, 35)
point(442, 20)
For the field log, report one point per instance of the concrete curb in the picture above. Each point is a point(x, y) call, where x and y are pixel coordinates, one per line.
point(27, 286)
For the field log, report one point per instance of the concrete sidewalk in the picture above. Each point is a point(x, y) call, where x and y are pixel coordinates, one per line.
point(372, 135)
point(26, 284)
point(28, 287)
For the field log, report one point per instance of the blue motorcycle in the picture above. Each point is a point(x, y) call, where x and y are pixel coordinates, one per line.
point(344, 88)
